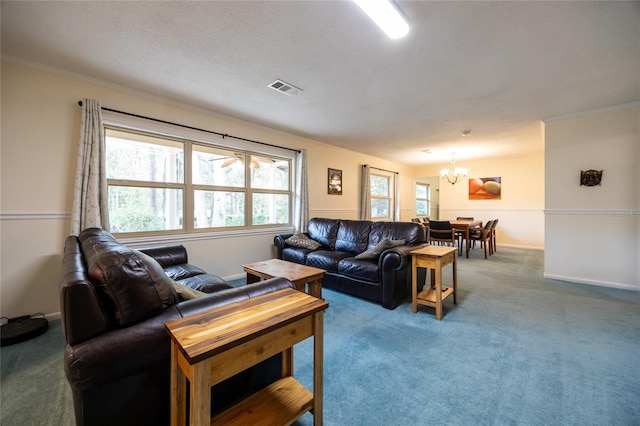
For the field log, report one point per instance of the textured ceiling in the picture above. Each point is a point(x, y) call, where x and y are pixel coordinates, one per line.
point(498, 68)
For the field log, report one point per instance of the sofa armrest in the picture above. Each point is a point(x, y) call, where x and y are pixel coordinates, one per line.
point(400, 253)
point(120, 352)
point(279, 242)
point(126, 351)
point(167, 255)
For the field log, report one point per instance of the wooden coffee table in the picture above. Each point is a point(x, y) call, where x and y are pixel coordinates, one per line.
point(298, 274)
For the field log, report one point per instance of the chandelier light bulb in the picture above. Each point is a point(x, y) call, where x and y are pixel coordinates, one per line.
point(454, 174)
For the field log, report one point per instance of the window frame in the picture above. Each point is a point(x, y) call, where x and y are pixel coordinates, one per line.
point(189, 138)
point(390, 197)
point(427, 200)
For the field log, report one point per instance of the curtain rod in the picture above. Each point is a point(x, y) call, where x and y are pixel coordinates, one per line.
point(378, 168)
point(224, 135)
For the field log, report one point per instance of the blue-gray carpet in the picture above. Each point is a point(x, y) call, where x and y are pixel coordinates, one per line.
point(517, 350)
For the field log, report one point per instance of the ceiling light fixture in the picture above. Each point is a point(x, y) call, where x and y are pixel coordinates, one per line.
point(386, 15)
point(453, 173)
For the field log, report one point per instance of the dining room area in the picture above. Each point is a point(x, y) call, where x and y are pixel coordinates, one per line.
point(462, 232)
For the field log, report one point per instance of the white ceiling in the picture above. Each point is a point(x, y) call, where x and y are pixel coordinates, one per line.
point(498, 68)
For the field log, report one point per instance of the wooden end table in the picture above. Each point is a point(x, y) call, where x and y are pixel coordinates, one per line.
point(210, 347)
point(298, 274)
point(433, 258)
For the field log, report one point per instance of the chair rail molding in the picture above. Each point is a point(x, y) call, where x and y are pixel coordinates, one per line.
point(493, 209)
point(593, 212)
point(35, 216)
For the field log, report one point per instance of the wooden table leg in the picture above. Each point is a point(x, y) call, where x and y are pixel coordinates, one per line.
point(318, 320)
point(287, 362)
point(200, 393)
point(438, 274)
point(455, 281)
point(315, 288)
point(466, 234)
point(414, 286)
point(178, 390)
point(252, 278)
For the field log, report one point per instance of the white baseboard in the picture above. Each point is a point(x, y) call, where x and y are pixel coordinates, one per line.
point(234, 277)
point(52, 316)
point(520, 246)
point(622, 286)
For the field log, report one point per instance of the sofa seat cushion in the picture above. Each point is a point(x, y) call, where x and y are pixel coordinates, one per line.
point(206, 283)
point(327, 260)
point(182, 270)
point(195, 278)
point(366, 270)
point(295, 254)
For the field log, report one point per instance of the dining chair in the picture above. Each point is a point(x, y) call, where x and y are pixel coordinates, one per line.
point(441, 232)
point(493, 235)
point(483, 235)
point(416, 220)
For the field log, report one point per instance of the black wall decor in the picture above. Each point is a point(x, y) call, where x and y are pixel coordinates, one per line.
point(590, 177)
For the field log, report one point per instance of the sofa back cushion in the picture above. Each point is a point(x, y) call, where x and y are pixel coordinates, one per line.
point(412, 233)
point(132, 285)
point(353, 236)
point(324, 231)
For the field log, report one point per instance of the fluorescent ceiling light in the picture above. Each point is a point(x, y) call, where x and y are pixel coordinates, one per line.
point(386, 16)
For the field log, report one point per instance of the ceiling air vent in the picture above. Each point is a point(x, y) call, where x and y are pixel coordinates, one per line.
point(285, 88)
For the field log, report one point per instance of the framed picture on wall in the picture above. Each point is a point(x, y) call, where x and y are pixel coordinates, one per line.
point(335, 182)
point(489, 188)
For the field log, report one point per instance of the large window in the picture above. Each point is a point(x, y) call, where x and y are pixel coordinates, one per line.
point(423, 199)
point(162, 184)
point(381, 196)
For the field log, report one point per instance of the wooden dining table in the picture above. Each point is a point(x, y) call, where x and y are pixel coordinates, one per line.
point(466, 225)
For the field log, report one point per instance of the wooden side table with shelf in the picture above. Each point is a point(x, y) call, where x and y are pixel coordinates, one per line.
point(210, 347)
point(433, 258)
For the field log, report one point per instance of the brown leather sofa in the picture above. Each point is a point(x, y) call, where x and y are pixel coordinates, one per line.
point(383, 277)
point(114, 303)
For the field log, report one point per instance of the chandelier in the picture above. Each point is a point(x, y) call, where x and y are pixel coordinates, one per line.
point(453, 173)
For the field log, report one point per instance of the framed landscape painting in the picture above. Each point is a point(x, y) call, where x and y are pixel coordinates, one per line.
point(489, 188)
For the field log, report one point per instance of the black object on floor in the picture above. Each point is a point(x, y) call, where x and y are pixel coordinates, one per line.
point(23, 328)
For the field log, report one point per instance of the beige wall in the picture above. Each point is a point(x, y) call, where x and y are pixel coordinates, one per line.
point(520, 210)
point(593, 233)
point(40, 133)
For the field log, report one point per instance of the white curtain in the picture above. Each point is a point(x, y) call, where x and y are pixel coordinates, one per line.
point(396, 181)
point(301, 200)
point(365, 193)
point(90, 201)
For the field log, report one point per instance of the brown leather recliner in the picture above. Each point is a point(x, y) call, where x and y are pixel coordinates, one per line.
point(114, 302)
